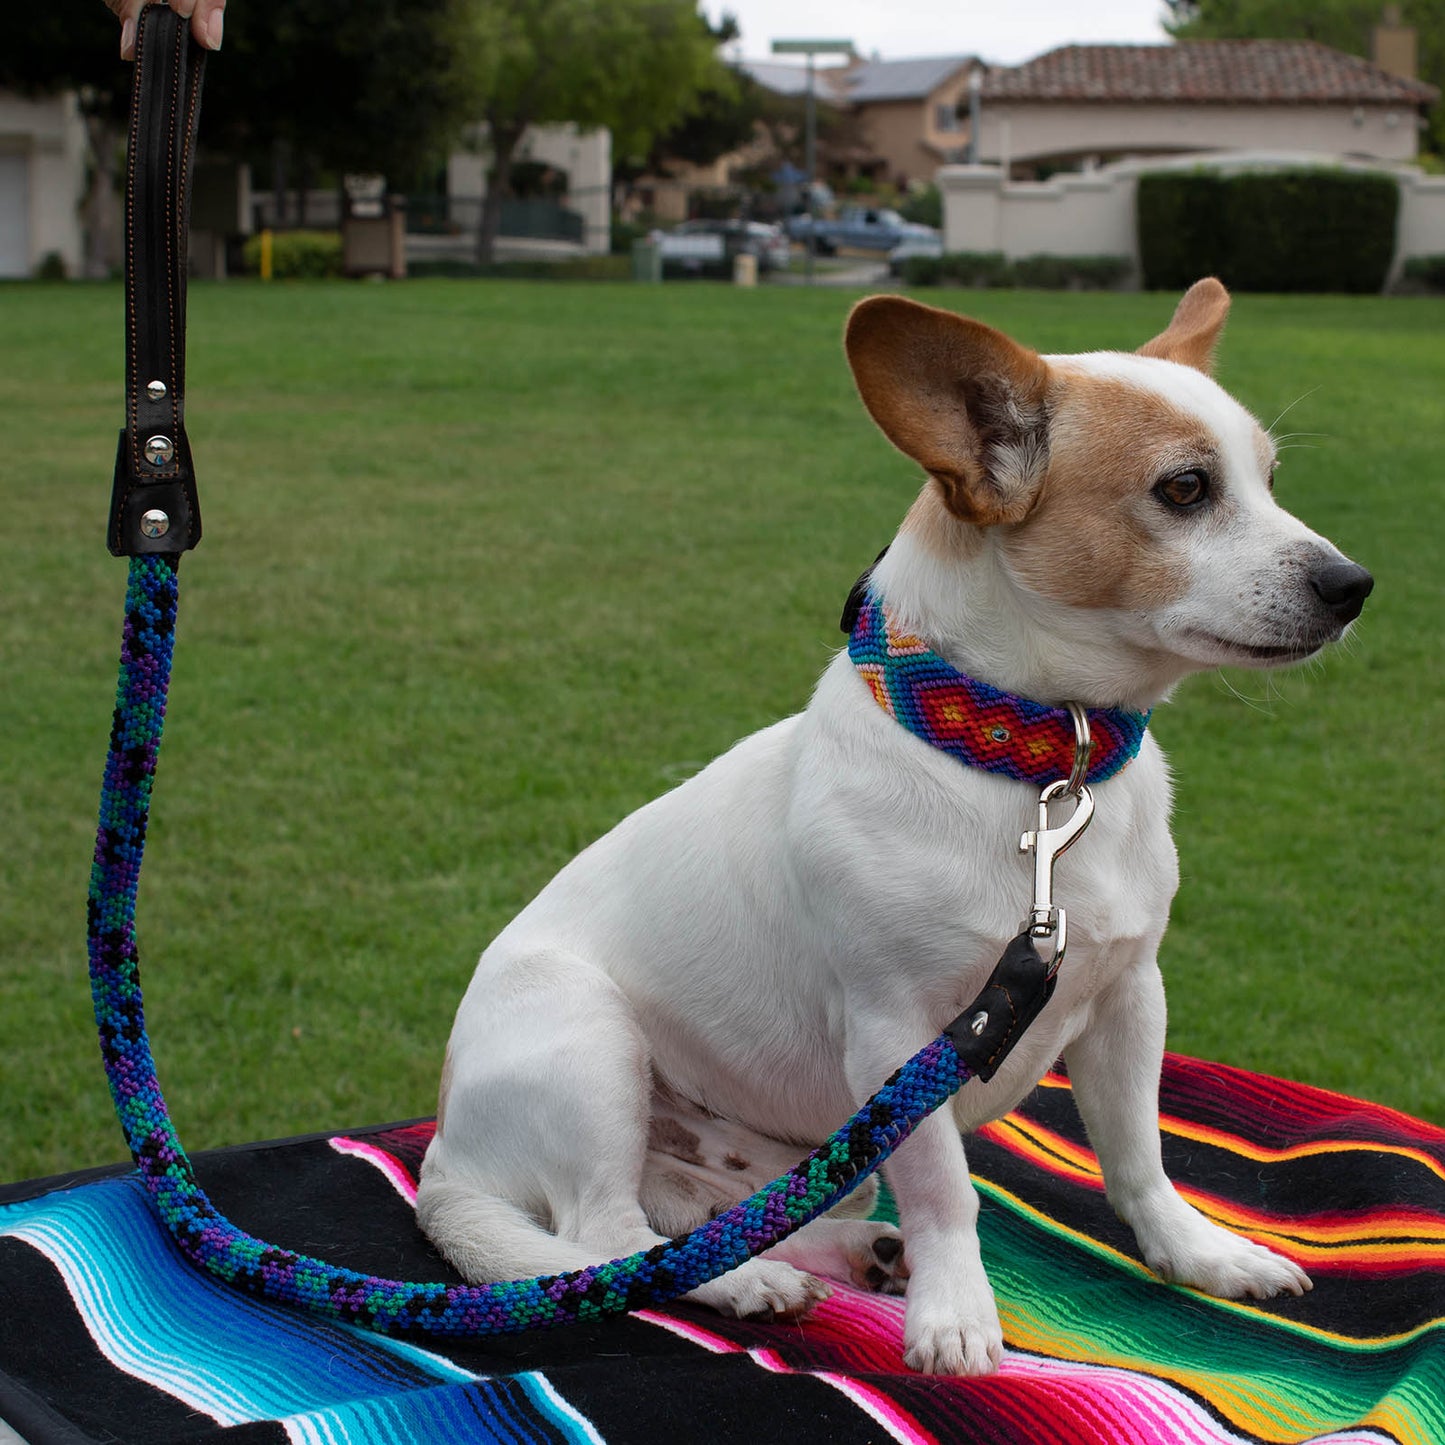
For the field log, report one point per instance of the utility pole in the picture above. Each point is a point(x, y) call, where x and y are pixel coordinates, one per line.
point(812, 49)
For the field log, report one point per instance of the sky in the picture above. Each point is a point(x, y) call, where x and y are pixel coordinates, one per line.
point(1000, 30)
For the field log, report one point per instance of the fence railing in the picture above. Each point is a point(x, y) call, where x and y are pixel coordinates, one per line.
point(429, 215)
point(534, 219)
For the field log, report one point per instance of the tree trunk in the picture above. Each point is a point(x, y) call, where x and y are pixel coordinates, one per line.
point(505, 140)
point(102, 215)
point(278, 184)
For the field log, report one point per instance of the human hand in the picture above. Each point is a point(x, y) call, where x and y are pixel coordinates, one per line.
point(206, 16)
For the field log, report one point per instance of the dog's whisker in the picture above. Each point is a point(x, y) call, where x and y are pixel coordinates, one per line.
point(1258, 704)
point(1270, 428)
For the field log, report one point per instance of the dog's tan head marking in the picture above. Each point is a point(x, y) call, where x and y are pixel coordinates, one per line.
point(1194, 330)
point(963, 400)
point(1095, 536)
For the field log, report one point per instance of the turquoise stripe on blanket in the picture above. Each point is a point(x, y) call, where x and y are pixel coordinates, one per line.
point(211, 1347)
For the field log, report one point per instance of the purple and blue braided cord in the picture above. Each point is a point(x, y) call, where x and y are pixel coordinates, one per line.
point(209, 1240)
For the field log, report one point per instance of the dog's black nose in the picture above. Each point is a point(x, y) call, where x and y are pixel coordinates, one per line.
point(1343, 587)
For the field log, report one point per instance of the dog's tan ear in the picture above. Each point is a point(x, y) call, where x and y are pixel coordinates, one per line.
point(960, 398)
point(1193, 332)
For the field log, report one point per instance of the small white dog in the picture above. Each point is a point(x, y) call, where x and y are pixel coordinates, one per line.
point(708, 991)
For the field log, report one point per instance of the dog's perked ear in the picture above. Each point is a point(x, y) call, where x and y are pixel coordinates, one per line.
point(963, 400)
point(1193, 331)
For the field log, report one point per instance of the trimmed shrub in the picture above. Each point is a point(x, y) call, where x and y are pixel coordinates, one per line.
point(958, 268)
point(1071, 273)
point(925, 206)
point(297, 255)
point(977, 268)
point(992, 268)
point(1181, 230)
point(1427, 271)
point(922, 271)
point(624, 233)
point(572, 268)
point(1310, 229)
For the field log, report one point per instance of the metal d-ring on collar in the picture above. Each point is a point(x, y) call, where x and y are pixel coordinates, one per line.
point(1046, 919)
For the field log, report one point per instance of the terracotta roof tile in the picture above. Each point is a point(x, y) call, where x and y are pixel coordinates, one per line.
point(1205, 72)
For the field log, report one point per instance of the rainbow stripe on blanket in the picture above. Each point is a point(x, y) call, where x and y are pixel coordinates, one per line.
point(1099, 1352)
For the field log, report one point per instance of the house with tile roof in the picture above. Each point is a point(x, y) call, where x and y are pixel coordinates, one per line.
point(1063, 139)
point(908, 111)
point(1082, 105)
point(913, 114)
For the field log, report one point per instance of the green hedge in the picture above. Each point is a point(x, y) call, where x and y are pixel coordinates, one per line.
point(993, 268)
point(573, 268)
point(1427, 271)
point(297, 254)
point(1309, 229)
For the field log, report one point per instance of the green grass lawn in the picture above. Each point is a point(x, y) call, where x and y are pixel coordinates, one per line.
point(488, 564)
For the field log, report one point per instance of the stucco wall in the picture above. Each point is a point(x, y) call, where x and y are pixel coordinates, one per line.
point(50, 134)
point(1014, 132)
point(1422, 217)
point(1093, 213)
point(1070, 215)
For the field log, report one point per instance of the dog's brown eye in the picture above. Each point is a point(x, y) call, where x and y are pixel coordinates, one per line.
point(1183, 490)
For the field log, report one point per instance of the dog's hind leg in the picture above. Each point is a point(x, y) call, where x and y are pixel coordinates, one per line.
point(536, 1166)
point(866, 1252)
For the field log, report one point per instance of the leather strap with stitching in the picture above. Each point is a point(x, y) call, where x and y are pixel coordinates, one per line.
point(153, 468)
point(985, 1033)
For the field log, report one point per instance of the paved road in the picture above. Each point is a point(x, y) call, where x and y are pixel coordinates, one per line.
point(860, 273)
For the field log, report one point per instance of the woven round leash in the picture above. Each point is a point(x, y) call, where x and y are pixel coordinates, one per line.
point(214, 1243)
point(154, 518)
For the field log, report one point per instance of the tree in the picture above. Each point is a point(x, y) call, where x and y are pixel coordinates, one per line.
point(340, 85)
point(633, 66)
point(723, 118)
point(1344, 24)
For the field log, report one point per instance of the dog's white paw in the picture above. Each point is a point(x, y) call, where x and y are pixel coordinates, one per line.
point(1199, 1253)
point(1238, 1269)
point(876, 1259)
point(972, 1347)
point(865, 1251)
point(762, 1289)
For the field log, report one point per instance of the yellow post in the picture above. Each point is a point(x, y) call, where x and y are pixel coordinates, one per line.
point(266, 254)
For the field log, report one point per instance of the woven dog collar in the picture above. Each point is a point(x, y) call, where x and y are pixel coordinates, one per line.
point(975, 723)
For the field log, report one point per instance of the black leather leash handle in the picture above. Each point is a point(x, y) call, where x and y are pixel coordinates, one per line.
point(153, 504)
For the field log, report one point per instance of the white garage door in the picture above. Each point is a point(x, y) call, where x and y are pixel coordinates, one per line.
point(14, 214)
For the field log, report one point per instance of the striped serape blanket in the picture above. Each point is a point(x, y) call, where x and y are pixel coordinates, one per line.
point(105, 1335)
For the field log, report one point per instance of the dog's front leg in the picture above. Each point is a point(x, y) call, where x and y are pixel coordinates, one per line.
point(951, 1324)
point(1114, 1067)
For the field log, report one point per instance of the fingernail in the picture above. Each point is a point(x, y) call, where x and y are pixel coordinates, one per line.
point(214, 27)
point(183, 8)
point(127, 39)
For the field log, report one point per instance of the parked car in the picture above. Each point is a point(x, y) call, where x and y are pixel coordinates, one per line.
point(708, 246)
point(768, 243)
point(860, 228)
point(912, 246)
